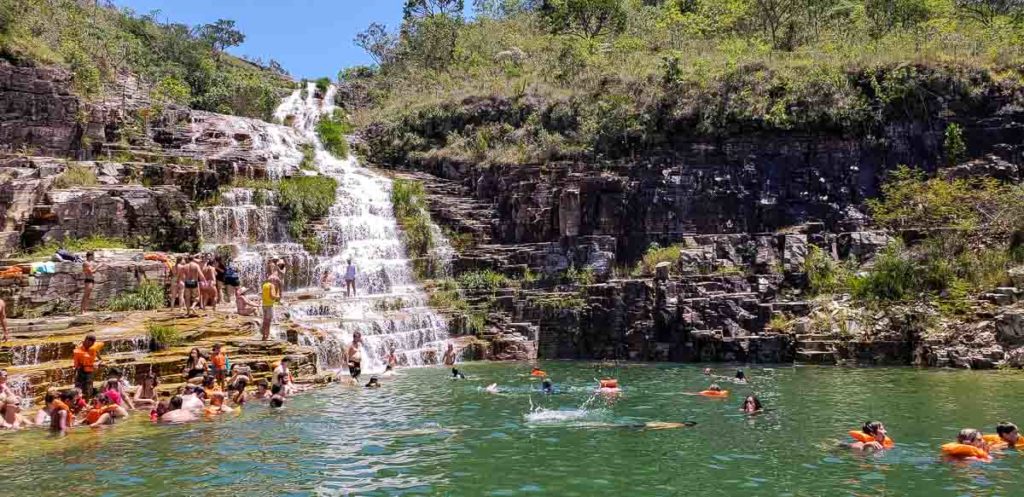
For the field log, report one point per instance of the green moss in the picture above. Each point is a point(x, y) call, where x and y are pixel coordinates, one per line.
point(332, 131)
point(164, 336)
point(148, 296)
point(654, 256)
point(486, 280)
point(76, 245)
point(308, 157)
point(409, 200)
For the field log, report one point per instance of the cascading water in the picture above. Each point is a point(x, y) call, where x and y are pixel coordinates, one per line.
point(390, 310)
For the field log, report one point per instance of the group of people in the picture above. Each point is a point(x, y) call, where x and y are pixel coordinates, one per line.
point(970, 445)
point(213, 387)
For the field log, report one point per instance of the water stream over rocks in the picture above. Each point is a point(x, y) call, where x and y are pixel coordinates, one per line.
point(390, 308)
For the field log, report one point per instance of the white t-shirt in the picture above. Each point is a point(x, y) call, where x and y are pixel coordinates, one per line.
point(350, 272)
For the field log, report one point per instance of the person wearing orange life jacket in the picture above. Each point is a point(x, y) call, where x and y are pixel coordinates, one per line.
point(61, 418)
point(1006, 435)
point(219, 360)
point(872, 436)
point(85, 360)
point(969, 446)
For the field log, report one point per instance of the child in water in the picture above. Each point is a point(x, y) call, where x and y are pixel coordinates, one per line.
point(872, 436)
point(1006, 435)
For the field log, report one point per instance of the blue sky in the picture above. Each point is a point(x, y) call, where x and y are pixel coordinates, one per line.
point(310, 38)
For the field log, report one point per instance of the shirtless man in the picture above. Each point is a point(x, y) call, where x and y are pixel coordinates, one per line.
point(89, 268)
point(449, 356)
point(191, 276)
point(355, 357)
point(277, 273)
point(209, 286)
point(177, 414)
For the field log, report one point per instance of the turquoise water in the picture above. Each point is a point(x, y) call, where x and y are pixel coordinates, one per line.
point(423, 434)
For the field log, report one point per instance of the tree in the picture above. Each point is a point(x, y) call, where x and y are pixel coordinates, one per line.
point(886, 15)
point(220, 35)
point(420, 9)
point(378, 43)
point(986, 11)
point(586, 18)
point(773, 16)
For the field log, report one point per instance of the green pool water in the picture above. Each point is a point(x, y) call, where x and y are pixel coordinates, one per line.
point(424, 434)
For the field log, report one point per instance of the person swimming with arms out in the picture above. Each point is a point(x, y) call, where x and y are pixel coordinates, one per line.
point(872, 436)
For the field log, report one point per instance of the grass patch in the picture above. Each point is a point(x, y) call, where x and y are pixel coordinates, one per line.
point(409, 200)
point(486, 280)
point(147, 297)
point(654, 256)
point(444, 295)
point(74, 176)
point(163, 336)
point(74, 245)
point(332, 131)
point(308, 157)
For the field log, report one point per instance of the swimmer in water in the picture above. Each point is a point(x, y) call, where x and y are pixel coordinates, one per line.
point(547, 387)
point(741, 377)
point(457, 375)
point(872, 436)
point(373, 383)
point(1006, 435)
point(751, 405)
point(708, 372)
point(492, 388)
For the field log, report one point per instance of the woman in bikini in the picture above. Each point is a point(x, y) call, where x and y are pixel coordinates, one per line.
point(89, 268)
point(195, 368)
point(145, 396)
point(177, 284)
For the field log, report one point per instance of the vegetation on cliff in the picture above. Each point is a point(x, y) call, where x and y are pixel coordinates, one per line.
point(407, 196)
point(302, 199)
point(174, 62)
point(529, 80)
point(965, 232)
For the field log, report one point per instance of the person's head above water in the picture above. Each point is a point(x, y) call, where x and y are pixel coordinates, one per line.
point(715, 388)
point(373, 383)
point(751, 404)
point(1008, 432)
point(277, 401)
point(176, 402)
point(457, 374)
point(970, 436)
point(546, 386)
point(740, 375)
point(707, 371)
point(875, 429)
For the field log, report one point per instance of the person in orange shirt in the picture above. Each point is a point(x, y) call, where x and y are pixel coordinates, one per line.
point(104, 411)
point(61, 418)
point(86, 360)
point(219, 359)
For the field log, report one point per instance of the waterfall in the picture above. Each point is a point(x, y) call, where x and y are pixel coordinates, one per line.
point(390, 307)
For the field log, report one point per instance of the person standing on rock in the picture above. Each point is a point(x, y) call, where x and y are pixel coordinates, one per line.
point(85, 360)
point(277, 270)
point(191, 275)
point(177, 284)
point(3, 320)
point(355, 357)
point(271, 296)
point(89, 268)
point(350, 279)
point(207, 285)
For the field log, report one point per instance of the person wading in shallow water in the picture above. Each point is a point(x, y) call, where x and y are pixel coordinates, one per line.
point(89, 268)
point(350, 279)
point(449, 355)
point(271, 295)
point(85, 360)
point(192, 275)
point(355, 357)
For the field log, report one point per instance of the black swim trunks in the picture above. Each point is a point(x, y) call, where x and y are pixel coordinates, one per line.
point(191, 284)
point(89, 280)
point(193, 373)
point(354, 369)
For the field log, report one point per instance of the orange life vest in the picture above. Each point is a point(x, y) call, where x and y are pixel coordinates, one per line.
point(715, 393)
point(964, 451)
point(86, 359)
point(860, 436)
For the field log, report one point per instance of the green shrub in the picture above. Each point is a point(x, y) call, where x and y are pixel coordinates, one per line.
point(444, 294)
point(408, 199)
point(954, 147)
point(332, 131)
point(580, 277)
point(76, 175)
point(656, 255)
point(147, 297)
point(825, 275)
point(486, 280)
point(303, 199)
point(322, 84)
point(75, 245)
point(308, 157)
point(162, 336)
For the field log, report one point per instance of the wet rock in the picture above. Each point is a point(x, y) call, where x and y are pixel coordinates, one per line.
point(1010, 327)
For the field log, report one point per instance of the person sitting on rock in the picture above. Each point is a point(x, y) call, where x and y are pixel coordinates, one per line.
point(178, 414)
point(245, 306)
point(61, 417)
